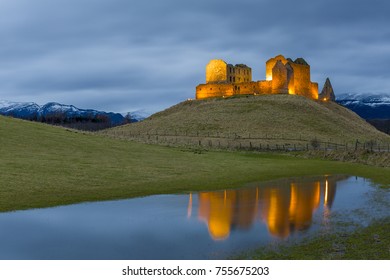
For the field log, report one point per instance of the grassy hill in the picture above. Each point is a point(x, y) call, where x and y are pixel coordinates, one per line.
point(267, 119)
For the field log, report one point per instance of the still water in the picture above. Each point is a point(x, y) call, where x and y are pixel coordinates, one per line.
point(205, 225)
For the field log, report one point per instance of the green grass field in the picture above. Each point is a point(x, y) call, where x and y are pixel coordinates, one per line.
point(44, 166)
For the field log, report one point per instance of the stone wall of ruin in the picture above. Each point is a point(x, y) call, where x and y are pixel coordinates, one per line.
point(314, 90)
point(269, 65)
point(225, 90)
point(279, 78)
point(302, 83)
point(216, 71)
point(214, 90)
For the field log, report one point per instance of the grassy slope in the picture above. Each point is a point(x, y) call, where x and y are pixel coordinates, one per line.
point(284, 116)
point(44, 166)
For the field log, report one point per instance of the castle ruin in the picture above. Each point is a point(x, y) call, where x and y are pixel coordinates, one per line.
point(283, 76)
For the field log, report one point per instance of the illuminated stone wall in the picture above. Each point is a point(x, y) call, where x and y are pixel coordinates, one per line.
point(269, 65)
point(290, 79)
point(216, 71)
point(214, 90)
point(243, 73)
point(302, 83)
point(279, 78)
point(224, 90)
point(314, 90)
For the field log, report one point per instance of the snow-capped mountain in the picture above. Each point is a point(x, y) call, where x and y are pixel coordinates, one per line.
point(139, 115)
point(33, 111)
point(367, 106)
point(18, 109)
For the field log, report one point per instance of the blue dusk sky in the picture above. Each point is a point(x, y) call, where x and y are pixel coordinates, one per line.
point(125, 55)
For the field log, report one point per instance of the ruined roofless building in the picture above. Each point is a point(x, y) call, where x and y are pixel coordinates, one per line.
point(283, 76)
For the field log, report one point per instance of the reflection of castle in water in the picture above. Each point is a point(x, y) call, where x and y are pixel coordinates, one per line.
point(284, 208)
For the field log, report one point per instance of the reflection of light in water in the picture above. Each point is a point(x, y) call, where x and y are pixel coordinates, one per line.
point(256, 210)
point(273, 211)
point(189, 209)
point(326, 192)
point(284, 209)
point(215, 209)
point(293, 199)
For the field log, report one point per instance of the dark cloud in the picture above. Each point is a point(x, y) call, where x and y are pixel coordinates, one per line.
point(125, 55)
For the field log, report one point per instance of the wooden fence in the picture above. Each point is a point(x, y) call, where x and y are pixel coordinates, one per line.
point(235, 141)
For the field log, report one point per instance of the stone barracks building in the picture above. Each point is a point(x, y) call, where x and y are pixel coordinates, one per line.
point(283, 76)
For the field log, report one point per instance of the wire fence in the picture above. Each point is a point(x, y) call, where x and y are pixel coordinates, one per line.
point(235, 141)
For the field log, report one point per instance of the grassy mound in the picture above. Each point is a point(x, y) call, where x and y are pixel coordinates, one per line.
point(271, 118)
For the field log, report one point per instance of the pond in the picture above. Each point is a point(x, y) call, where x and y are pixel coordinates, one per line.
point(204, 225)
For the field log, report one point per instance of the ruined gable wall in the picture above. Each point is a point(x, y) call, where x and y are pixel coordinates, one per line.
point(216, 71)
point(269, 65)
point(290, 79)
point(279, 78)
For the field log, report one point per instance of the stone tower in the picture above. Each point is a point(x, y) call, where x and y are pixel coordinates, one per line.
point(327, 93)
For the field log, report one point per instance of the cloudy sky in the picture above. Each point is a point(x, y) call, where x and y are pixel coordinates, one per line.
point(126, 55)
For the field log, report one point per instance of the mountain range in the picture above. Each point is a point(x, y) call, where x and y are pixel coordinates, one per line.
point(374, 108)
point(367, 106)
point(33, 111)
